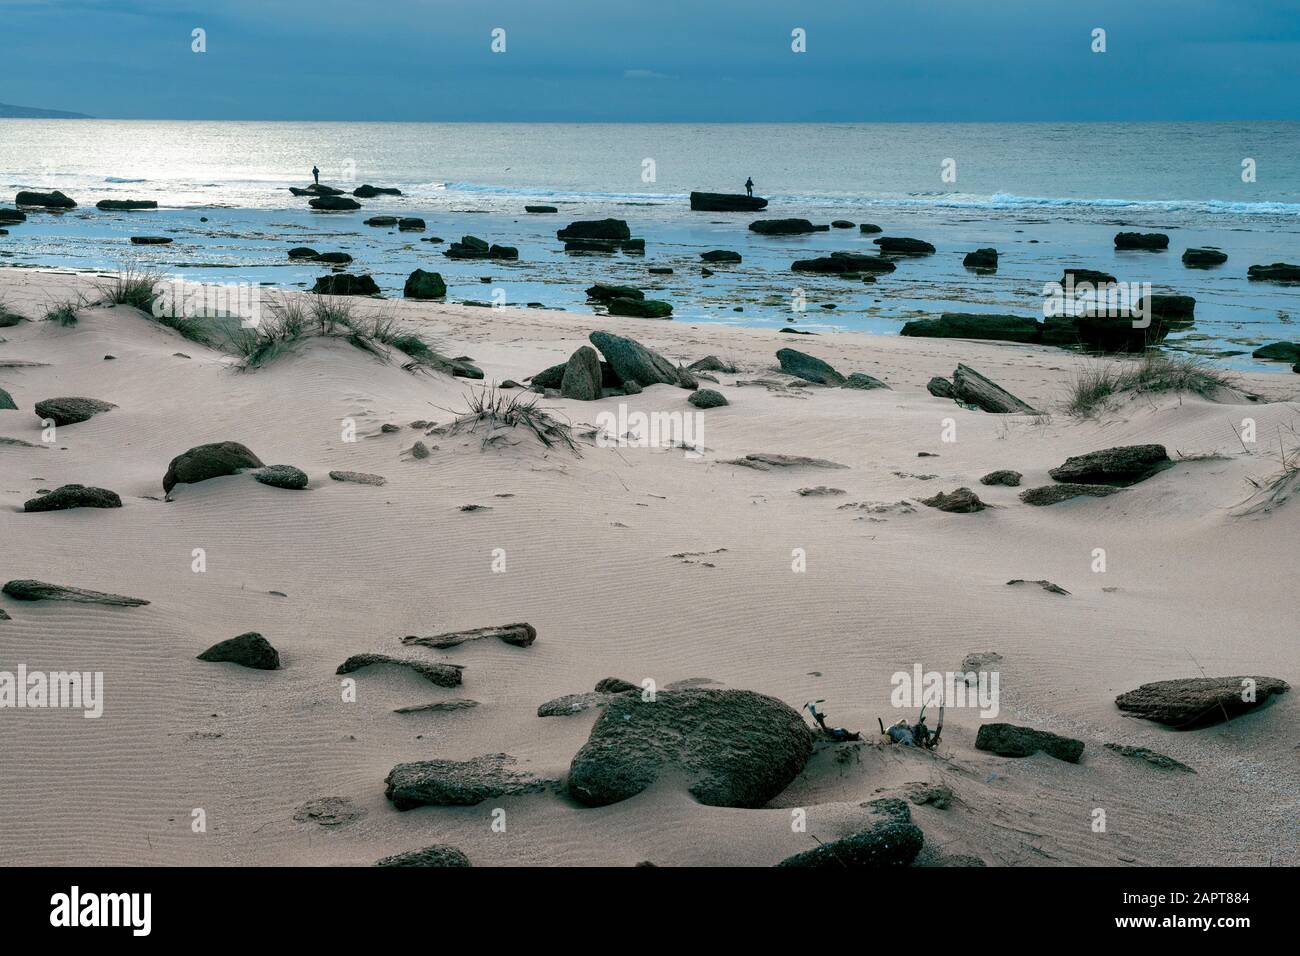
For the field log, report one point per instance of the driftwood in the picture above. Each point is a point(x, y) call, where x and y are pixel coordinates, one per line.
point(520, 635)
point(973, 388)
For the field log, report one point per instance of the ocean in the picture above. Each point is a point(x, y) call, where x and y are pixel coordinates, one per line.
point(1045, 195)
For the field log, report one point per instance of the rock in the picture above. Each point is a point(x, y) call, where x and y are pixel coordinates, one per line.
point(983, 260)
point(782, 227)
point(469, 247)
point(150, 241)
point(367, 191)
point(439, 706)
point(70, 411)
point(726, 202)
point(517, 635)
point(382, 221)
point(711, 363)
point(454, 783)
point(1277, 272)
point(342, 283)
point(582, 375)
point(1042, 583)
point(844, 262)
point(444, 675)
point(389, 429)
point(424, 285)
point(282, 476)
point(358, 477)
point(940, 388)
point(1150, 756)
point(333, 203)
point(973, 388)
point(733, 748)
point(439, 855)
point(898, 245)
point(961, 501)
point(861, 380)
point(973, 325)
point(316, 189)
point(1008, 740)
point(1141, 240)
point(841, 224)
point(640, 308)
point(74, 496)
point(1203, 259)
point(591, 245)
point(632, 361)
point(894, 841)
point(303, 252)
point(502, 252)
point(334, 258)
point(420, 450)
point(126, 204)
point(615, 685)
point(1121, 466)
point(247, 650)
point(1052, 494)
point(869, 227)
point(607, 229)
point(8, 216)
point(540, 209)
point(667, 271)
point(208, 461)
point(720, 255)
point(1090, 277)
point(1004, 477)
point(606, 292)
point(632, 387)
point(549, 377)
point(810, 369)
point(571, 704)
point(50, 200)
point(820, 491)
point(1176, 311)
point(766, 461)
point(29, 590)
point(1277, 351)
point(6, 401)
point(328, 812)
point(1199, 701)
point(707, 398)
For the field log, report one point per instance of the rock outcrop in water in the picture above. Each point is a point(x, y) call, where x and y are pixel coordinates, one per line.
point(334, 203)
point(782, 227)
point(126, 204)
point(1141, 240)
point(50, 200)
point(1277, 272)
point(726, 202)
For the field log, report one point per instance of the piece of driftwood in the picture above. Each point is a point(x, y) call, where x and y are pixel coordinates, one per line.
point(973, 388)
point(520, 635)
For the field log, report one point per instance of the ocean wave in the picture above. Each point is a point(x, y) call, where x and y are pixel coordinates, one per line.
point(540, 193)
point(123, 179)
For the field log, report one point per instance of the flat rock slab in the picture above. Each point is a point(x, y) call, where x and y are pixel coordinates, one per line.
point(71, 410)
point(358, 478)
point(808, 367)
point(1008, 740)
point(1122, 465)
point(518, 635)
point(73, 496)
point(456, 783)
point(438, 706)
point(571, 704)
point(1157, 760)
point(28, 590)
point(1199, 701)
point(1052, 494)
point(1042, 583)
point(247, 650)
point(444, 675)
point(439, 855)
point(767, 461)
point(735, 748)
point(329, 812)
point(892, 839)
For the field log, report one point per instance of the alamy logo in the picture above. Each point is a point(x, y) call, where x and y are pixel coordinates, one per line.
point(181, 300)
point(626, 429)
point(103, 909)
point(1116, 300)
point(78, 690)
point(919, 688)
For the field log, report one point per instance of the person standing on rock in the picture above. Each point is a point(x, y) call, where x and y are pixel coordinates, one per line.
point(749, 186)
point(315, 174)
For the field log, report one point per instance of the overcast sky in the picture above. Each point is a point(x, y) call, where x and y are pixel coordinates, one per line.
point(656, 60)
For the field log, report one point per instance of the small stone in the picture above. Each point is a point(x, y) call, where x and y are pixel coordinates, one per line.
point(1005, 477)
point(248, 650)
point(707, 398)
point(282, 476)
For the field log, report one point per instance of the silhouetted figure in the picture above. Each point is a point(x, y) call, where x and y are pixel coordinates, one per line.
point(315, 174)
point(749, 186)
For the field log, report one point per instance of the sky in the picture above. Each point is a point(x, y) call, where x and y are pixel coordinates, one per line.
point(656, 60)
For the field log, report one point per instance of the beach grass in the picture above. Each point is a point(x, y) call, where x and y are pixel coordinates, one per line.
point(1097, 388)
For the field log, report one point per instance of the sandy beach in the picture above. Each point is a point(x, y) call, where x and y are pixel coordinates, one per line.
point(637, 563)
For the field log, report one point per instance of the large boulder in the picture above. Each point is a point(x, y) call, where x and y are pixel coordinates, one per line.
point(8, 216)
point(1279, 352)
point(733, 748)
point(782, 227)
point(208, 461)
point(1277, 272)
point(1141, 240)
point(247, 650)
point(1199, 701)
point(582, 377)
point(726, 202)
point(640, 308)
point(841, 262)
point(343, 283)
point(903, 246)
point(1008, 740)
point(632, 361)
point(807, 367)
point(424, 285)
point(334, 203)
point(610, 229)
point(1119, 466)
point(50, 200)
point(982, 260)
point(73, 496)
point(367, 191)
point(469, 247)
point(973, 325)
point(450, 783)
point(971, 387)
point(1204, 258)
point(71, 410)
